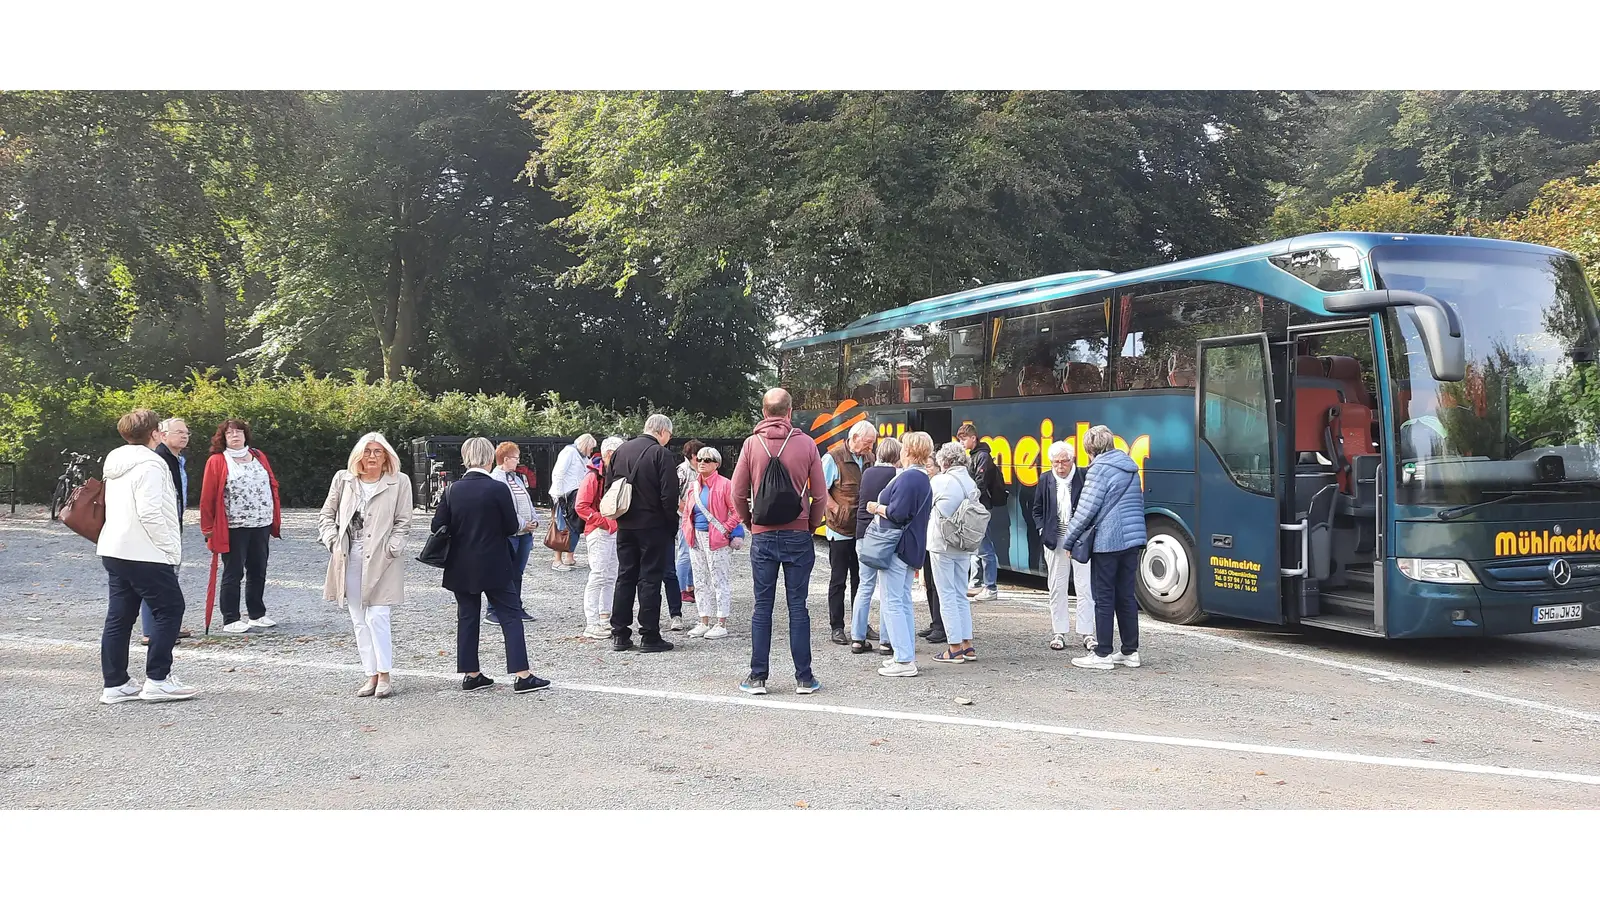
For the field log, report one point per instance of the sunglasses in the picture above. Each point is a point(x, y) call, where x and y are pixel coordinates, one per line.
point(708, 459)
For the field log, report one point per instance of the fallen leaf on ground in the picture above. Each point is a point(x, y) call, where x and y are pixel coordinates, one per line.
point(228, 669)
point(802, 804)
point(1261, 773)
point(355, 777)
point(167, 724)
point(874, 743)
point(963, 701)
point(1429, 741)
point(1280, 782)
point(368, 728)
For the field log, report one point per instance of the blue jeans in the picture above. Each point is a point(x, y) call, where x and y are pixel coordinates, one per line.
point(1112, 575)
point(685, 570)
point(521, 546)
point(950, 572)
point(131, 584)
point(859, 622)
point(988, 564)
point(894, 616)
point(794, 552)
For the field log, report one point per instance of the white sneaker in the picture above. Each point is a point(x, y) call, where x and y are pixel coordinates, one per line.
point(240, 627)
point(717, 632)
point(128, 691)
point(1131, 660)
point(262, 622)
point(598, 632)
point(676, 624)
point(171, 689)
point(892, 669)
point(699, 630)
point(986, 595)
point(1094, 662)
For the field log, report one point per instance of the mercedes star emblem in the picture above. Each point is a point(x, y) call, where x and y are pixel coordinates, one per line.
point(1560, 572)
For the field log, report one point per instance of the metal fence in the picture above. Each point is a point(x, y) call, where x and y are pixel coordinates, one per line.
point(538, 454)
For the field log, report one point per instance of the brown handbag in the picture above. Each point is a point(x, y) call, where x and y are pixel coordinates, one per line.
point(85, 511)
point(557, 539)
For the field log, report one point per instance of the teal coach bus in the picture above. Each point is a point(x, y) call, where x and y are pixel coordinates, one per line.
point(1388, 434)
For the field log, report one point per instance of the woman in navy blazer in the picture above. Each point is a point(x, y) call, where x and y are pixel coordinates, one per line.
point(1050, 517)
point(481, 518)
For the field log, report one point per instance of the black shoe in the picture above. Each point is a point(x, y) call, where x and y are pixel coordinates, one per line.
point(529, 685)
point(655, 646)
point(490, 617)
point(937, 637)
point(872, 635)
point(840, 638)
point(885, 649)
point(924, 632)
point(476, 682)
point(622, 643)
point(526, 617)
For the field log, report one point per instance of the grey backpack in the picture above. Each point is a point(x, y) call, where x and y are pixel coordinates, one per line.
point(964, 529)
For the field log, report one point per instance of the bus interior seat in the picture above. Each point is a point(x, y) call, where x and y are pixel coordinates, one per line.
point(1182, 376)
point(1311, 417)
point(1309, 365)
point(1036, 380)
point(1082, 377)
point(964, 392)
point(1006, 385)
point(1347, 371)
point(1349, 436)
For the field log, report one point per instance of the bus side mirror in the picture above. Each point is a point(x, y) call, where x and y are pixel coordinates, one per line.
point(1436, 322)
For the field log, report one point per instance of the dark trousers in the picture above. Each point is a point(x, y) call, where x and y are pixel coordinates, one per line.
point(1113, 576)
point(842, 565)
point(644, 555)
point(669, 580)
point(246, 560)
point(937, 620)
point(508, 608)
point(132, 584)
point(797, 556)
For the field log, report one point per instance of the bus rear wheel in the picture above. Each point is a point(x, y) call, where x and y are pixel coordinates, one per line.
point(1166, 584)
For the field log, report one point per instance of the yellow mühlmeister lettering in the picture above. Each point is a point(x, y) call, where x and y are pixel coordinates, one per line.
point(1505, 544)
point(1000, 449)
point(1026, 461)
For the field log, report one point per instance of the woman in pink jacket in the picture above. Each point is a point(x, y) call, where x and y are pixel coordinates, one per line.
point(709, 522)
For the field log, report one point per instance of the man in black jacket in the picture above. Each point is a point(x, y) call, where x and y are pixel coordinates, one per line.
point(173, 435)
point(993, 493)
point(644, 533)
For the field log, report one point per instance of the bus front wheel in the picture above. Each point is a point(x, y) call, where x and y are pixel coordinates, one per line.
point(1167, 572)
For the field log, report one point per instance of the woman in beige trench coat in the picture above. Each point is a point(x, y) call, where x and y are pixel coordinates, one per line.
point(364, 524)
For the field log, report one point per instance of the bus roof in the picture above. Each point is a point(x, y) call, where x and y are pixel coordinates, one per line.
point(1233, 266)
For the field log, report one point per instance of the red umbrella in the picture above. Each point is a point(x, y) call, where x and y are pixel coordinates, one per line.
point(211, 592)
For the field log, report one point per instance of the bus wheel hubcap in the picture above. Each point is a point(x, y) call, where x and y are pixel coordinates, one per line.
point(1165, 568)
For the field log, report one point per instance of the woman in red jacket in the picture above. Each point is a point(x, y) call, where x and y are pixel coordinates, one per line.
point(600, 538)
point(239, 508)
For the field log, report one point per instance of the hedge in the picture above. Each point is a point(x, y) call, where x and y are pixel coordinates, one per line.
point(307, 425)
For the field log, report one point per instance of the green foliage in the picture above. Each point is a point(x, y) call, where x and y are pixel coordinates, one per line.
point(1565, 214)
point(1384, 208)
point(306, 424)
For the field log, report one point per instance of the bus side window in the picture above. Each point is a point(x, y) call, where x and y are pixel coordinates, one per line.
point(811, 375)
point(1159, 325)
point(1051, 351)
point(940, 362)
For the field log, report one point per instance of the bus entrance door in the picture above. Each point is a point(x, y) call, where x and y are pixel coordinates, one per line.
point(1237, 481)
point(936, 422)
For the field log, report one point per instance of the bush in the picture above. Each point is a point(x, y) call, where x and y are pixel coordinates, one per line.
point(306, 425)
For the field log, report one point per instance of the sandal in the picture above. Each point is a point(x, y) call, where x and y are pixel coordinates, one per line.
point(860, 647)
point(1059, 642)
point(947, 657)
point(971, 653)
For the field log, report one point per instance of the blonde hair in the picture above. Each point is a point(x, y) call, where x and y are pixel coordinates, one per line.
point(391, 460)
point(506, 449)
point(1098, 440)
point(916, 447)
point(477, 453)
point(138, 426)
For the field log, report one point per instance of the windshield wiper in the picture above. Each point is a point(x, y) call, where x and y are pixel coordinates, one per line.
point(1456, 512)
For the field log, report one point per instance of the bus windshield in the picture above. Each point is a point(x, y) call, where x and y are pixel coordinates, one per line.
point(1531, 388)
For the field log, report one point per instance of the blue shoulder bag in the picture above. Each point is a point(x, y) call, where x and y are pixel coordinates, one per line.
point(878, 546)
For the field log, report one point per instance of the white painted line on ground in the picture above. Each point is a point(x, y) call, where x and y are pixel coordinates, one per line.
point(1379, 674)
point(1396, 762)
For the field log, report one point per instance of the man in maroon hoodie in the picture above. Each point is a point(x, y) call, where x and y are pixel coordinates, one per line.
point(788, 544)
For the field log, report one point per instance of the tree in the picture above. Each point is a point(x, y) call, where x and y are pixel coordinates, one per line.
point(1382, 208)
point(829, 205)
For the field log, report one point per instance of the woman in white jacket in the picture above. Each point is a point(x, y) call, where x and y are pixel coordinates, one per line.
point(565, 478)
point(140, 549)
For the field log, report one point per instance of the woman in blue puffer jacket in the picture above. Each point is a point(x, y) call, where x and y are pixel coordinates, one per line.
point(1108, 528)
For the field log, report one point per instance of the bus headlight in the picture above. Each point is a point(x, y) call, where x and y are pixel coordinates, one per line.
point(1437, 571)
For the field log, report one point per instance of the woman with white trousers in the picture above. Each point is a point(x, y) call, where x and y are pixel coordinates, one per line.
point(364, 524)
point(600, 541)
point(1054, 500)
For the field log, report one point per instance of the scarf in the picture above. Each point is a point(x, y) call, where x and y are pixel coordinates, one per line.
point(239, 455)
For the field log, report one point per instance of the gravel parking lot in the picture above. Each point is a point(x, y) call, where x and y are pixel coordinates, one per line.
point(1220, 716)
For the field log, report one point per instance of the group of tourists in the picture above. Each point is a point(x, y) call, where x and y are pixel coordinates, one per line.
point(891, 510)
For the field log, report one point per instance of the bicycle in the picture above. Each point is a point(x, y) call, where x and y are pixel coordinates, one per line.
point(438, 480)
point(71, 478)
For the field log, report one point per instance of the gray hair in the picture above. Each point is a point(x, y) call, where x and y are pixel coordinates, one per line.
point(166, 424)
point(863, 427)
point(1060, 449)
point(951, 455)
point(712, 452)
point(889, 451)
point(658, 425)
point(1098, 440)
point(477, 453)
point(610, 444)
point(585, 444)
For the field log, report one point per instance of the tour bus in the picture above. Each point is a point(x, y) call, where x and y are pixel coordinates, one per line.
point(1386, 434)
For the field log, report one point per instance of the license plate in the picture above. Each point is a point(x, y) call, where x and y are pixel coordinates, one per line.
point(1571, 612)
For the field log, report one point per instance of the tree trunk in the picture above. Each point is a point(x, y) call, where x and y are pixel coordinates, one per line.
point(211, 349)
point(400, 351)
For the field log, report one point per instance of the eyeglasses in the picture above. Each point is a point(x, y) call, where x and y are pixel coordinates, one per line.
point(707, 459)
point(374, 451)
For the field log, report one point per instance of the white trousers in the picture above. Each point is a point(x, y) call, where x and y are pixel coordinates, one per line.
point(712, 592)
point(602, 547)
point(373, 637)
point(1063, 570)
